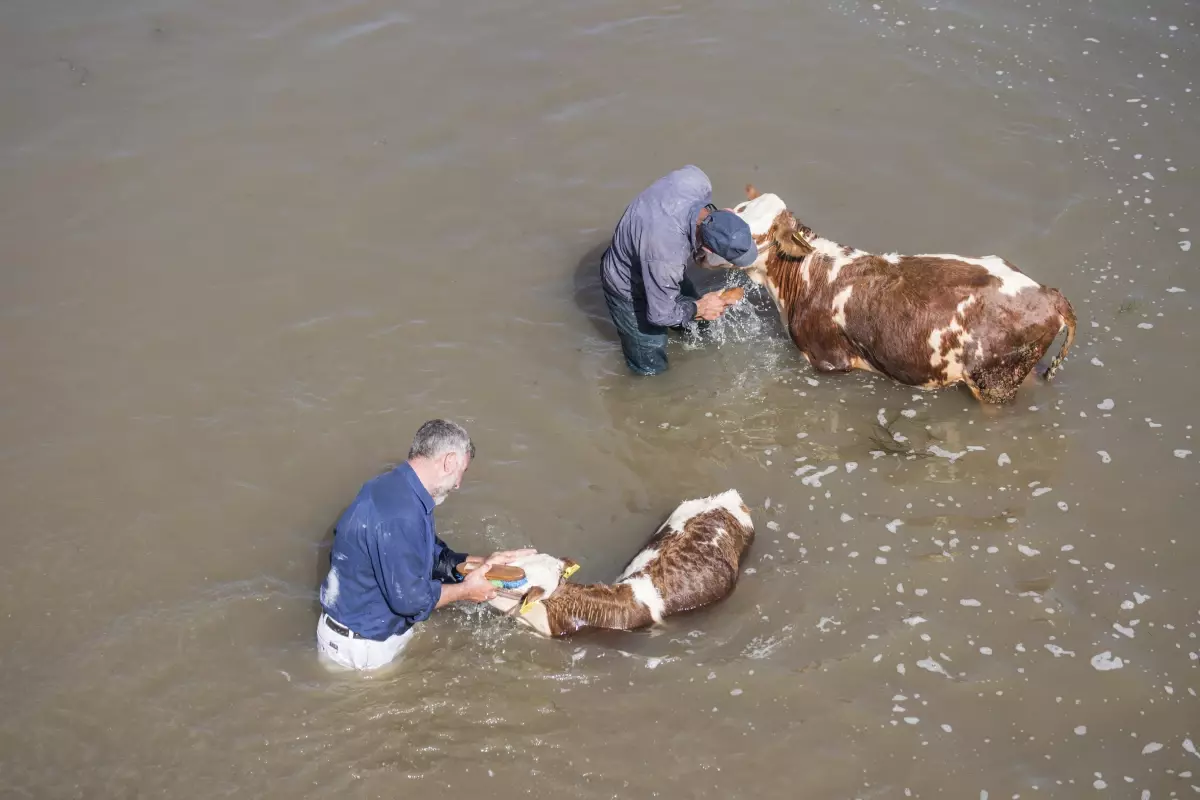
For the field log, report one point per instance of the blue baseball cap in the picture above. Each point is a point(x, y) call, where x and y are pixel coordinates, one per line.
point(728, 235)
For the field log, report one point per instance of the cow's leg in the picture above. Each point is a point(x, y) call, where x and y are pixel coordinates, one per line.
point(827, 359)
point(823, 345)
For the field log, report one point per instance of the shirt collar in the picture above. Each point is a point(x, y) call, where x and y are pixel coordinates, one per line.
point(405, 471)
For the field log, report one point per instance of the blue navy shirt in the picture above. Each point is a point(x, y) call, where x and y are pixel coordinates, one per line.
point(653, 243)
point(387, 565)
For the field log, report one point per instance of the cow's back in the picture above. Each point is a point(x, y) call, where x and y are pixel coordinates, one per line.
point(694, 558)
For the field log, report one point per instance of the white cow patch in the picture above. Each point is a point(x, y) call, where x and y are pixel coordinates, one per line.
point(639, 563)
point(760, 212)
point(647, 594)
point(954, 358)
point(731, 501)
point(836, 254)
point(839, 306)
point(537, 618)
point(1011, 281)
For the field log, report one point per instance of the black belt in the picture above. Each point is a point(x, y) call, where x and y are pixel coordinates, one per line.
point(342, 629)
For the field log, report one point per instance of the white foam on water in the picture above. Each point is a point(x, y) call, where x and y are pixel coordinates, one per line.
point(1026, 550)
point(930, 665)
point(1106, 661)
point(1182, 453)
point(1107, 405)
point(971, 602)
point(1003, 460)
point(1105, 458)
point(894, 525)
point(1080, 730)
point(815, 479)
point(943, 453)
point(1153, 747)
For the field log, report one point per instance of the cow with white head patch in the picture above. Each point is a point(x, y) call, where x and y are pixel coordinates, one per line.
point(929, 321)
point(693, 560)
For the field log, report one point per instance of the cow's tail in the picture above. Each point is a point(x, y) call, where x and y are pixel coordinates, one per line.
point(1066, 316)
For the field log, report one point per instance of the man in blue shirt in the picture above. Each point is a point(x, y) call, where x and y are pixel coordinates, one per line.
point(388, 569)
point(660, 232)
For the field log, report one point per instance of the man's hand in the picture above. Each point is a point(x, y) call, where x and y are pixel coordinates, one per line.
point(508, 556)
point(476, 588)
point(710, 306)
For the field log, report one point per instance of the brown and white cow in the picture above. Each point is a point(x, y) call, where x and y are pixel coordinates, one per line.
point(692, 561)
point(929, 321)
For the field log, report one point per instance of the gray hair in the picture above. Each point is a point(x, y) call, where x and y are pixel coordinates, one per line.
point(438, 437)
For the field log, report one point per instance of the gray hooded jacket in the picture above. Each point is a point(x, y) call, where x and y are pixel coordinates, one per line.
point(653, 243)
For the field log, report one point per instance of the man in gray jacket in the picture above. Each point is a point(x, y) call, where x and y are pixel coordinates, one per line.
point(660, 232)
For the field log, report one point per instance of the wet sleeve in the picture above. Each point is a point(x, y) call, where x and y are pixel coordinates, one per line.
point(444, 562)
point(664, 304)
point(403, 567)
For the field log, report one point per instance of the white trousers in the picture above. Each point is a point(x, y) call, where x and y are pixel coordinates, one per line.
point(355, 653)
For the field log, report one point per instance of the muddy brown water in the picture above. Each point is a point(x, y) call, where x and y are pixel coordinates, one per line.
point(246, 248)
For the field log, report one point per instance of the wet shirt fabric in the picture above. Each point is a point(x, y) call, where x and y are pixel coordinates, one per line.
point(387, 564)
point(653, 243)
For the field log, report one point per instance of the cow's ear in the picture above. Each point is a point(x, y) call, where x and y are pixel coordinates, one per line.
point(531, 599)
point(792, 243)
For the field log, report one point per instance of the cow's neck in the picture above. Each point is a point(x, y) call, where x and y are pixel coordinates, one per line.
point(575, 606)
point(791, 280)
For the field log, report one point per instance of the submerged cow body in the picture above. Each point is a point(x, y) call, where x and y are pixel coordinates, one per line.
point(929, 321)
point(692, 561)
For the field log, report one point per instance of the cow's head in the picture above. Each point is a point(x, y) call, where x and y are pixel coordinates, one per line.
point(543, 575)
point(771, 225)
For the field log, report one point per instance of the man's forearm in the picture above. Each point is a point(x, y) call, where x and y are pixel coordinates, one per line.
point(451, 593)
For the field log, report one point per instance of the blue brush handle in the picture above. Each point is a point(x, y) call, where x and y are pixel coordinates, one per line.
point(510, 584)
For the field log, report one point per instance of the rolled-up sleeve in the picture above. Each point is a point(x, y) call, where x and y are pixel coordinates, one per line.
point(664, 305)
point(404, 568)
